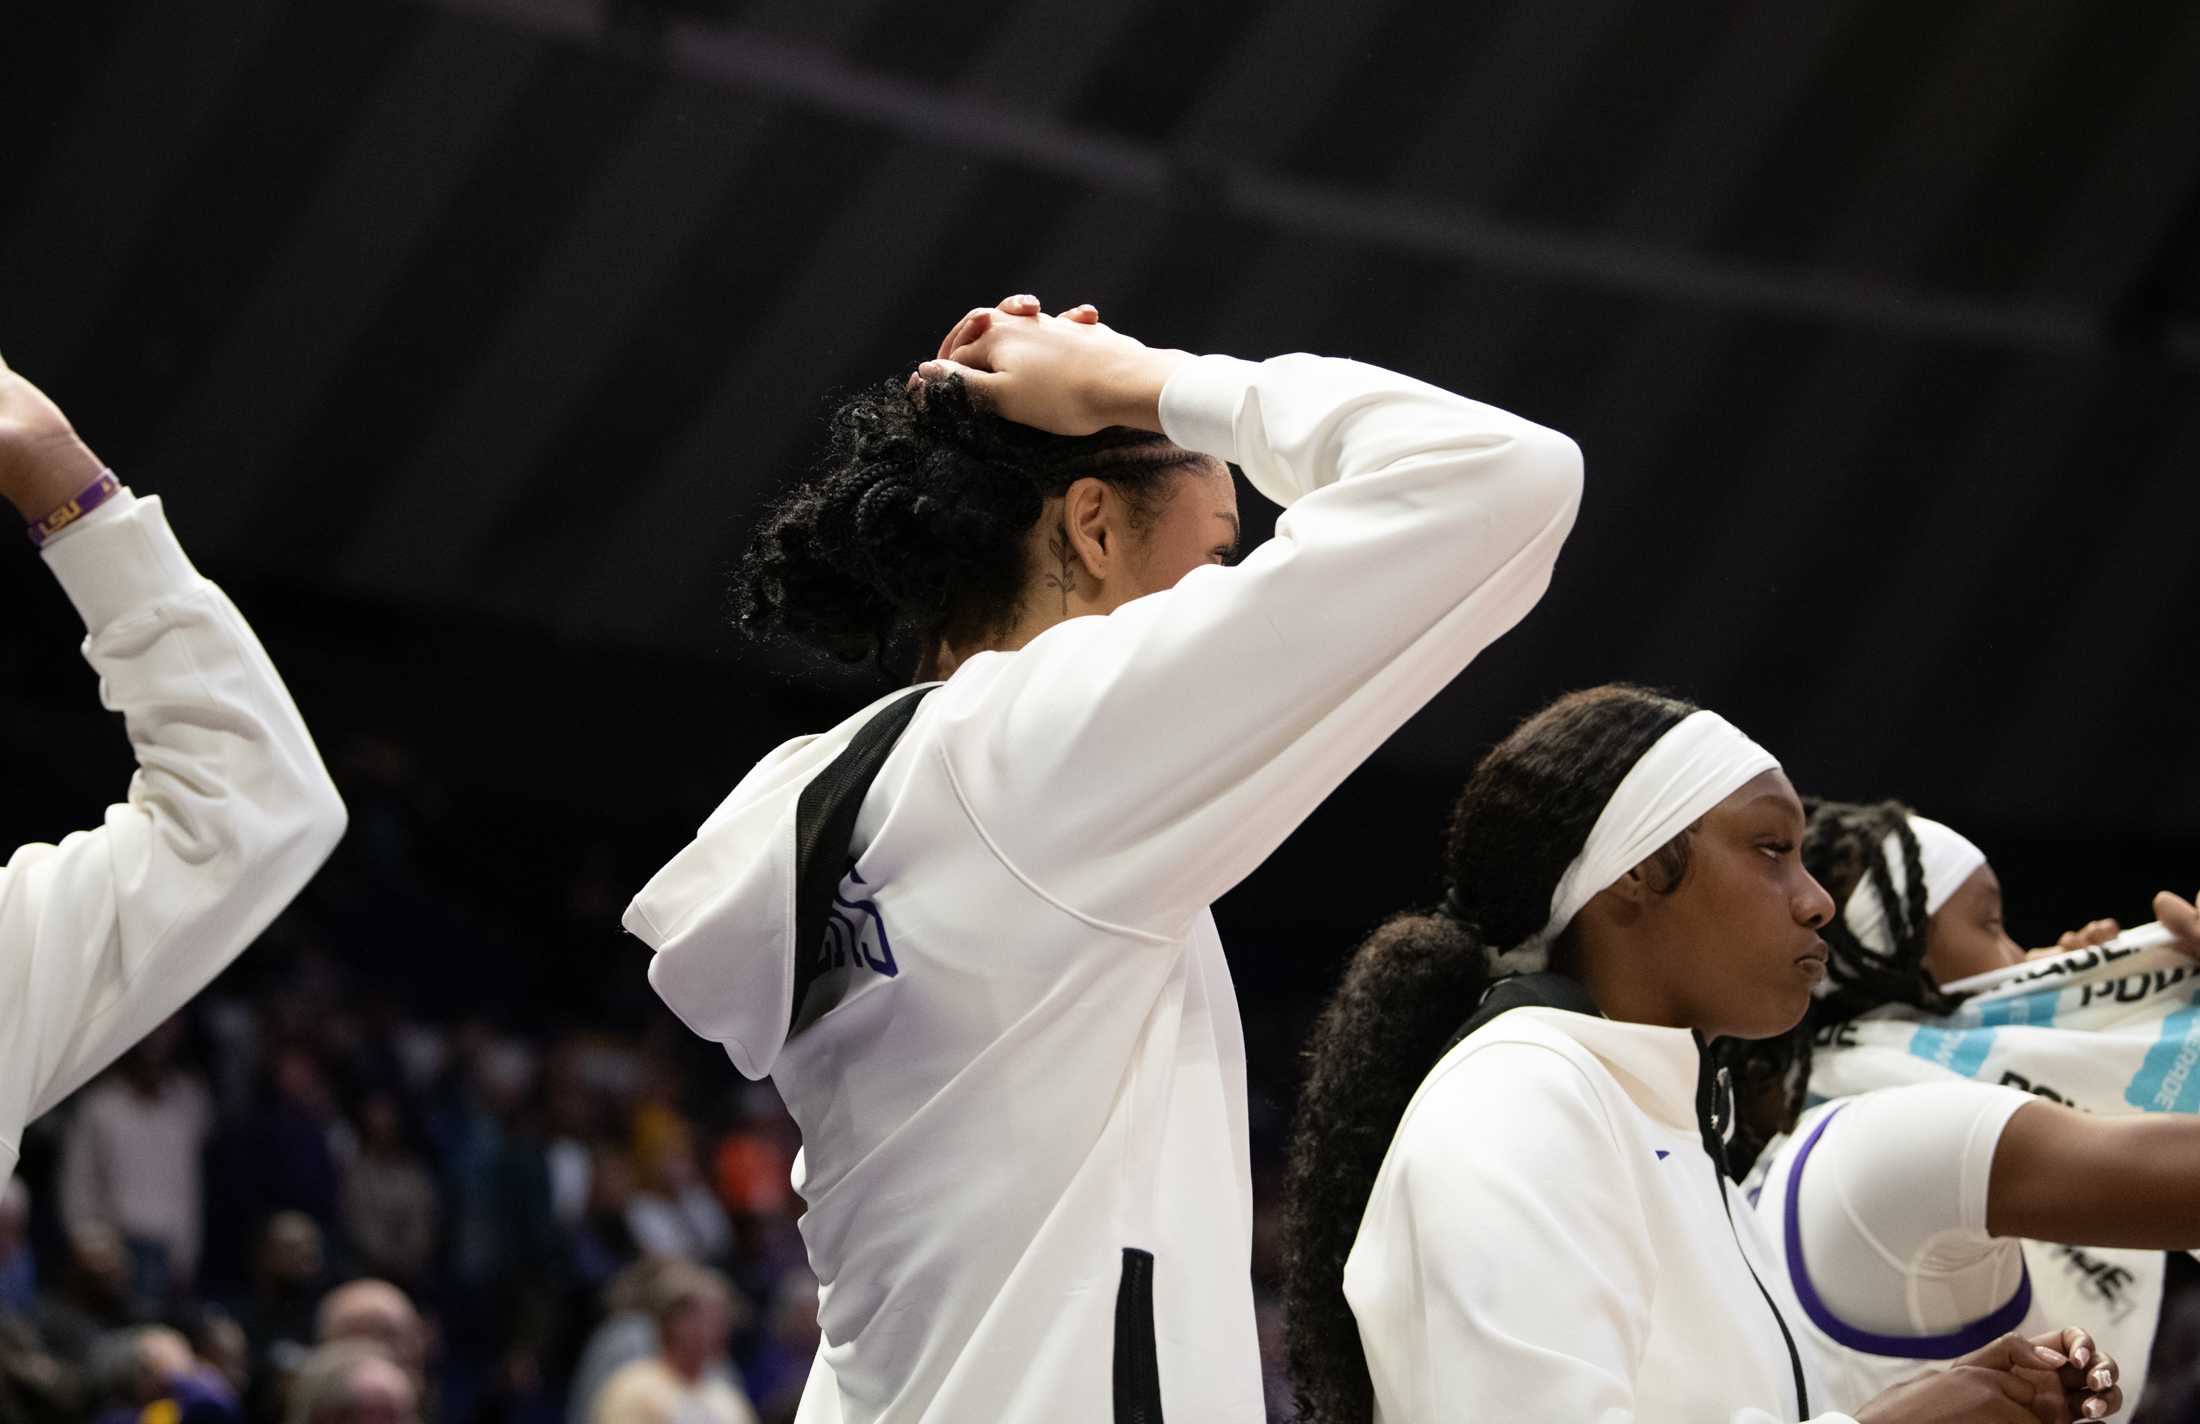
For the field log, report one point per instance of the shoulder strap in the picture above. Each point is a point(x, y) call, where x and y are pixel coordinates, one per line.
point(824, 823)
point(1546, 990)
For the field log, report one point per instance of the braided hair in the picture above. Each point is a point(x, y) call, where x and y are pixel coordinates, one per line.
point(1843, 847)
point(1525, 813)
point(912, 528)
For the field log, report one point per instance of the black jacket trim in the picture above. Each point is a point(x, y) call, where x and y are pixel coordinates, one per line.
point(824, 823)
point(1137, 1361)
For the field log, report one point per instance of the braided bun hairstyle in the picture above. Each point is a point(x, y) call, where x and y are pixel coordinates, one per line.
point(1525, 813)
point(1842, 848)
point(913, 525)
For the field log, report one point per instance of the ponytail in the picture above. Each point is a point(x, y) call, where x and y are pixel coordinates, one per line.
point(1405, 993)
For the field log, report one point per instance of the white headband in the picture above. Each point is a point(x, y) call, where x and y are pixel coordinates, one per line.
point(1947, 860)
point(1700, 761)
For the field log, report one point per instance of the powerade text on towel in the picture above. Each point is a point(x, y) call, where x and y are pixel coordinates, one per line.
point(1031, 1078)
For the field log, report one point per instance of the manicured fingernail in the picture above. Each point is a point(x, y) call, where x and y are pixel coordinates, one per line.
point(2053, 1357)
point(2080, 1355)
point(2096, 1409)
point(2101, 1378)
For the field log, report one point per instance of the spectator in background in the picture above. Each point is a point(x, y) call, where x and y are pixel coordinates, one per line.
point(572, 1122)
point(152, 1374)
point(685, 1380)
point(780, 1365)
point(18, 1263)
point(278, 1317)
point(602, 1242)
point(218, 1340)
point(132, 1160)
point(673, 1212)
point(351, 1383)
point(753, 1164)
point(35, 1388)
point(627, 1332)
point(93, 1297)
point(289, 1142)
point(379, 1314)
point(389, 1200)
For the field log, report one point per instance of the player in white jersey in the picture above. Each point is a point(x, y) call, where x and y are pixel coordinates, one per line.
point(1013, 1047)
point(1508, 1186)
point(1934, 1027)
point(109, 932)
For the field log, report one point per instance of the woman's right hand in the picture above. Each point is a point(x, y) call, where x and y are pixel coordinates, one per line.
point(1065, 374)
point(2057, 1378)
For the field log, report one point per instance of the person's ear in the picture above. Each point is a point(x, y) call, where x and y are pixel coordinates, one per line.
point(1634, 888)
point(1088, 511)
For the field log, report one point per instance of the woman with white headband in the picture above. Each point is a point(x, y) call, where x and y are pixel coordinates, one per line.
point(1508, 1194)
point(1934, 1027)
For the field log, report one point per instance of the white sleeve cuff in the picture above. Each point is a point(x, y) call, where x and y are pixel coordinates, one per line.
point(113, 563)
point(1200, 403)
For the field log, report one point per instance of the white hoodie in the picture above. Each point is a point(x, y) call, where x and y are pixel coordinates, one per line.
point(229, 814)
point(1550, 1238)
point(1034, 1064)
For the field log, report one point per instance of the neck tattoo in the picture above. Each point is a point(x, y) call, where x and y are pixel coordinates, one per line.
point(1066, 580)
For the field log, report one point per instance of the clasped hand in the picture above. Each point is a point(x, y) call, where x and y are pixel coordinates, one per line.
point(1066, 374)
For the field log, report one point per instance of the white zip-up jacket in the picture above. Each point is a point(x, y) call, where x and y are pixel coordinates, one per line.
point(1027, 1108)
point(1550, 1238)
point(230, 813)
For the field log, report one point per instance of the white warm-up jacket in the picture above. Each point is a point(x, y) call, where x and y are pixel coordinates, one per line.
point(230, 813)
point(1024, 1123)
point(1551, 1238)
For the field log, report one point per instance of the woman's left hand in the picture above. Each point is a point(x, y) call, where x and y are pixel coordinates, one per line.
point(2088, 1387)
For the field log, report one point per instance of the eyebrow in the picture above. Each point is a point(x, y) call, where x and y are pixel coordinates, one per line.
point(1235, 528)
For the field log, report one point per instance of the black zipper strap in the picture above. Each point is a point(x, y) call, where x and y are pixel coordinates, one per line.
point(1795, 1356)
point(1137, 1359)
point(1715, 1119)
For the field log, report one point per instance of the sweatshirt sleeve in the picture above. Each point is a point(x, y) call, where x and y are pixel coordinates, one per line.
point(1136, 766)
point(1534, 1303)
point(1884, 1216)
point(229, 814)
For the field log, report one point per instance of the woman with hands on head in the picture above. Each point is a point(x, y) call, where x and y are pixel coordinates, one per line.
point(1008, 1034)
point(1508, 1188)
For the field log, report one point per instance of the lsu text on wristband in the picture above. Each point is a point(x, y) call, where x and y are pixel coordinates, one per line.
point(75, 507)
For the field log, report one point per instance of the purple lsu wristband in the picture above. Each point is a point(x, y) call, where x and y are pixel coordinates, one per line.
point(83, 502)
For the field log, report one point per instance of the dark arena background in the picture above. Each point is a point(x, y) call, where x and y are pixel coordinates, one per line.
point(463, 340)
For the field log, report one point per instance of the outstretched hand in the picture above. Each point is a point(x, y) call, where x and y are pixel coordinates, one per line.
point(42, 460)
point(1066, 374)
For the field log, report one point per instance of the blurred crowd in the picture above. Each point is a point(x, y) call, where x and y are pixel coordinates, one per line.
point(312, 1217)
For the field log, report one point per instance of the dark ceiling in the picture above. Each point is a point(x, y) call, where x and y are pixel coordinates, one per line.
point(1879, 323)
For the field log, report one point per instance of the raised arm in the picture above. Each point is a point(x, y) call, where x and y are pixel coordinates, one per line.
point(1149, 759)
point(105, 934)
